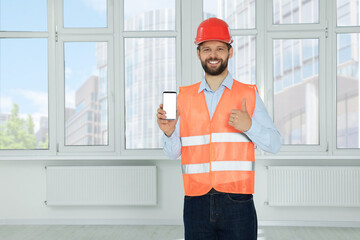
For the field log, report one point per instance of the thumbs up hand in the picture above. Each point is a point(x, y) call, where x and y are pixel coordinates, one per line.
point(240, 119)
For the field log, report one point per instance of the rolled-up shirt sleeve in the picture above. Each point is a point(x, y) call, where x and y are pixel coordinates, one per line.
point(263, 132)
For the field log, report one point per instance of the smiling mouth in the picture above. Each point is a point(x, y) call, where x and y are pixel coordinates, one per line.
point(214, 62)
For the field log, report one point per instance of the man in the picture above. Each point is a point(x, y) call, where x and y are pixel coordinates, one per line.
point(219, 121)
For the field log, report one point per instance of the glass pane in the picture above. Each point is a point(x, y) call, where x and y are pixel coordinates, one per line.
point(296, 92)
point(239, 14)
point(348, 106)
point(150, 68)
point(242, 64)
point(295, 11)
point(347, 12)
point(23, 94)
point(140, 15)
point(86, 93)
point(85, 13)
point(23, 15)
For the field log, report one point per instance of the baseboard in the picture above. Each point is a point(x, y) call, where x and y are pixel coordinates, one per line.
point(355, 224)
point(91, 222)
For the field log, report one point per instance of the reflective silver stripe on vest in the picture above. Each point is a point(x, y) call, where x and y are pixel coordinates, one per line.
point(233, 166)
point(195, 168)
point(229, 137)
point(195, 140)
point(218, 166)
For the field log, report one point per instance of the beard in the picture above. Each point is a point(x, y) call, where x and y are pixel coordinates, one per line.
point(216, 71)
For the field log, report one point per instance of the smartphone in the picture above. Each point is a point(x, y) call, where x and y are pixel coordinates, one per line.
point(169, 104)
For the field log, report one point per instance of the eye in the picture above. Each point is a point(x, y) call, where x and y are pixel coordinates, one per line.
point(206, 50)
point(221, 49)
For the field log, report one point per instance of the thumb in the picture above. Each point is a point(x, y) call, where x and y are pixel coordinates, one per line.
point(243, 105)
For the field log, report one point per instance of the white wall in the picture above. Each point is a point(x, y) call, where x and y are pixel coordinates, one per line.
point(303, 216)
point(23, 192)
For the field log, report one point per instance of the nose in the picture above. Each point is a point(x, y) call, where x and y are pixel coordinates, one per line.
point(213, 53)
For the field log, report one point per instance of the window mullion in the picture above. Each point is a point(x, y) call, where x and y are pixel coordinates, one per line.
point(53, 93)
point(330, 101)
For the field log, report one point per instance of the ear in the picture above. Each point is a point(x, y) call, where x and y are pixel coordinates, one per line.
point(231, 51)
point(198, 53)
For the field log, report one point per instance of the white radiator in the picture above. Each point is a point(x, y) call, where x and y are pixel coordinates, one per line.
point(314, 186)
point(100, 185)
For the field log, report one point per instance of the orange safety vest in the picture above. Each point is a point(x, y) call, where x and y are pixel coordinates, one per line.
point(213, 153)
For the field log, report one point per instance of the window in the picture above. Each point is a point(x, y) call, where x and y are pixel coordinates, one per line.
point(242, 64)
point(84, 62)
point(143, 16)
point(295, 11)
point(148, 73)
point(296, 105)
point(85, 14)
point(23, 75)
point(298, 40)
point(239, 15)
point(150, 68)
point(23, 15)
point(347, 12)
point(347, 99)
point(348, 91)
point(87, 81)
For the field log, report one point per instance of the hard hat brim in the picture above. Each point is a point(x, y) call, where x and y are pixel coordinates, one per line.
point(227, 42)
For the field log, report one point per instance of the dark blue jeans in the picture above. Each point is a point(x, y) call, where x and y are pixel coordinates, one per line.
point(220, 216)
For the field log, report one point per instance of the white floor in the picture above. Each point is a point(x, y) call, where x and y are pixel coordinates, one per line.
point(163, 233)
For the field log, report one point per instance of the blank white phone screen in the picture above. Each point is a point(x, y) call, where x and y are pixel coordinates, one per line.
point(169, 104)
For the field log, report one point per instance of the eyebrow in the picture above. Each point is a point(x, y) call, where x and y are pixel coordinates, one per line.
point(214, 47)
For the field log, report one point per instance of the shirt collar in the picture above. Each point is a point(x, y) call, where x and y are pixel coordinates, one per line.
point(228, 82)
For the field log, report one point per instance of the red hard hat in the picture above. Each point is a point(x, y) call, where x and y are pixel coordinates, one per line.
point(213, 29)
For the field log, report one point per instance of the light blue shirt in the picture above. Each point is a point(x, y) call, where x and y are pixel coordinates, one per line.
point(262, 132)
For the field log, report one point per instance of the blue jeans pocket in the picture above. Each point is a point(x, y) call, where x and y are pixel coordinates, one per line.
point(239, 207)
point(239, 198)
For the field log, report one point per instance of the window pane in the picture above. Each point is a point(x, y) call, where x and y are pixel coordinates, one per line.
point(239, 14)
point(86, 88)
point(347, 12)
point(348, 107)
point(149, 70)
point(23, 94)
point(23, 15)
point(242, 64)
point(295, 11)
point(149, 15)
point(296, 104)
point(85, 13)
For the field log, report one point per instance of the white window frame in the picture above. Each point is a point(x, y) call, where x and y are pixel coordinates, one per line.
point(345, 153)
point(300, 149)
point(271, 27)
point(94, 150)
point(63, 35)
point(188, 71)
point(176, 34)
point(74, 30)
point(49, 36)
point(299, 31)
